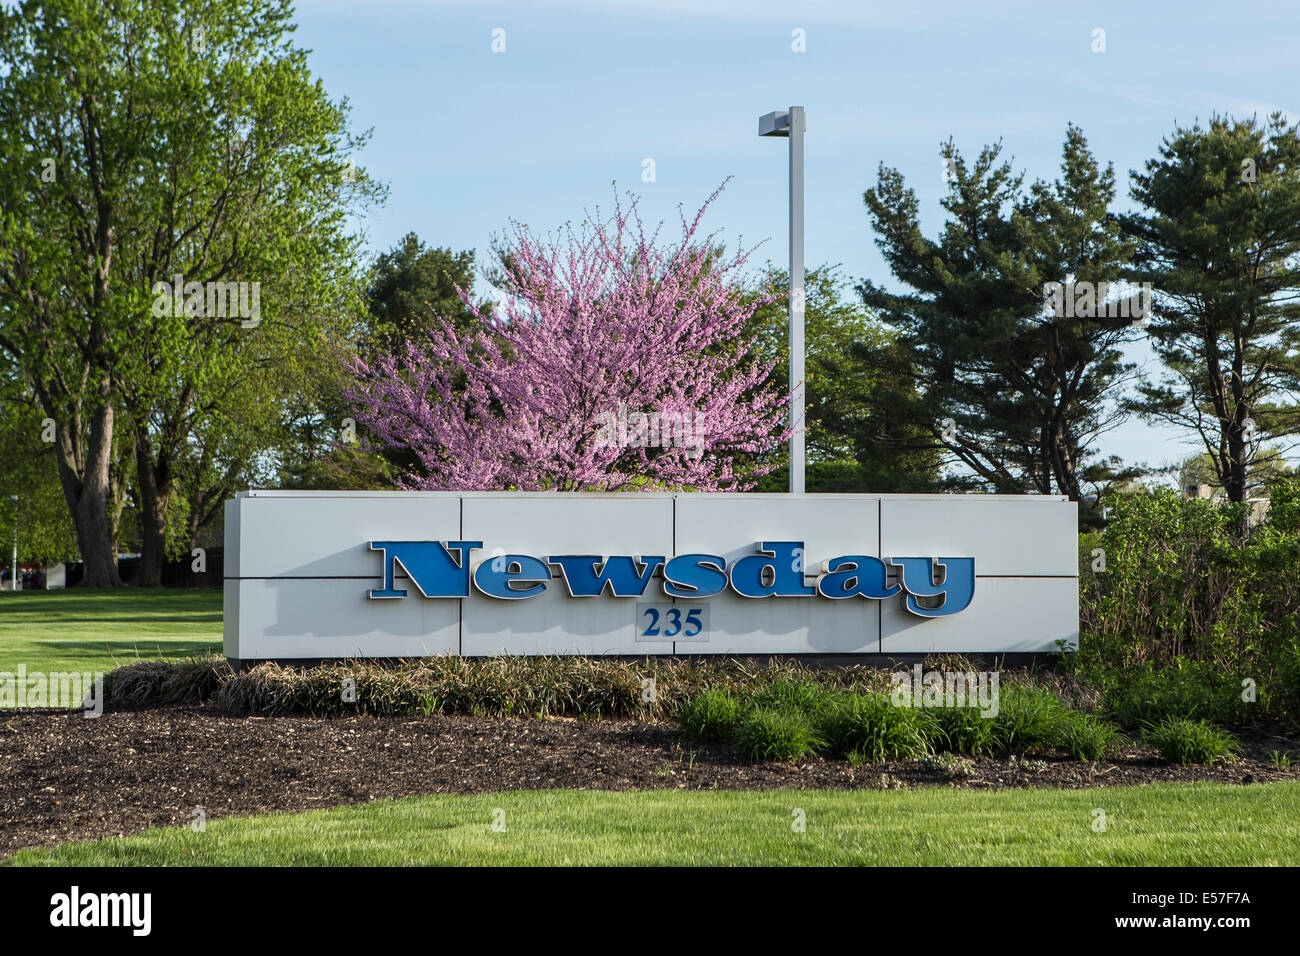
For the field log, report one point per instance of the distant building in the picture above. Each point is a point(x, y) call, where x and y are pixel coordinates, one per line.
point(1258, 506)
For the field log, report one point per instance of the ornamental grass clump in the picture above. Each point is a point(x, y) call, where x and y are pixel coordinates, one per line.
point(776, 733)
point(868, 728)
point(713, 714)
point(1184, 741)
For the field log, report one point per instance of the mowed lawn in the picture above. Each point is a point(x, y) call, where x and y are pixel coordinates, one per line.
point(1159, 824)
point(85, 630)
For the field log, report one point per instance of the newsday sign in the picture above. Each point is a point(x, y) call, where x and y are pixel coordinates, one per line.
point(313, 575)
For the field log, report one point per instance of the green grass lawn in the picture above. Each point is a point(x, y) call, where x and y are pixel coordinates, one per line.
point(86, 630)
point(1156, 825)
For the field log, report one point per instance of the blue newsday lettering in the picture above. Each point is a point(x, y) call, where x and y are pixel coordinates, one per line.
point(695, 575)
point(428, 564)
point(933, 587)
point(618, 572)
point(859, 575)
point(498, 576)
point(956, 592)
point(776, 571)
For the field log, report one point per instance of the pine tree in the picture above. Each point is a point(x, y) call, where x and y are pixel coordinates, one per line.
point(1015, 391)
point(1220, 240)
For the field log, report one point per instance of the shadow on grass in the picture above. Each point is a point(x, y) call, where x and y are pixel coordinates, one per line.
point(127, 651)
point(213, 616)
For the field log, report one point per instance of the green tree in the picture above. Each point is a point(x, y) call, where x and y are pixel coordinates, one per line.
point(140, 142)
point(1220, 239)
point(409, 288)
point(858, 436)
point(1015, 391)
point(28, 470)
point(412, 283)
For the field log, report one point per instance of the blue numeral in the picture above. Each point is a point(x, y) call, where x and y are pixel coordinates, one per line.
point(676, 615)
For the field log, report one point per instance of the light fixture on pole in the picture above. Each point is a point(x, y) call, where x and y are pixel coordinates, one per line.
point(790, 123)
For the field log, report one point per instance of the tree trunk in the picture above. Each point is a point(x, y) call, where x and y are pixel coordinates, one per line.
point(154, 480)
point(1067, 482)
point(1236, 476)
point(85, 473)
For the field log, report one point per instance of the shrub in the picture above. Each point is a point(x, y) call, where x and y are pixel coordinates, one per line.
point(712, 714)
point(802, 695)
point(963, 730)
point(772, 733)
point(1028, 719)
point(1196, 690)
point(1284, 693)
point(1083, 736)
point(869, 728)
point(1186, 742)
point(1185, 580)
point(153, 683)
point(516, 685)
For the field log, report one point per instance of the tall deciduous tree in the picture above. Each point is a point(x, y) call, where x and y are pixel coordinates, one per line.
point(140, 142)
point(1220, 238)
point(614, 363)
point(1014, 391)
point(28, 470)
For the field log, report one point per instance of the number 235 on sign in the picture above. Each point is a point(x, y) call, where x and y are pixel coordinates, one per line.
point(672, 622)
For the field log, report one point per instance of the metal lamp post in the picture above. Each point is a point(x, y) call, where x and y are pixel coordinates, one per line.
point(790, 123)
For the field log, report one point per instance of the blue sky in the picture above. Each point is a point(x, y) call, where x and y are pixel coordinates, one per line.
point(585, 91)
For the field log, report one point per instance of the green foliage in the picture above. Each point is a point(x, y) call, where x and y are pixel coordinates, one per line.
point(776, 733)
point(1026, 391)
point(777, 711)
point(1186, 589)
point(793, 694)
point(140, 142)
point(1186, 742)
point(859, 399)
point(712, 714)
point(1028, 720)
point(963, 730)
point(869, 728)
point(1185, 688)
point(1084, 736)
point(412, 285)
point(1219, 237)
point(1284, 690)
point(29, 469)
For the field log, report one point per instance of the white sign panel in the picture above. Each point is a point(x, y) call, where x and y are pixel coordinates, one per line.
point(312, 575)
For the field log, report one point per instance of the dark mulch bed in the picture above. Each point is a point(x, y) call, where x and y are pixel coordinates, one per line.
point(64, 777)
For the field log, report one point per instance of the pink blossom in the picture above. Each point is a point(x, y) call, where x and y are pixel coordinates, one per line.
point(602, 324)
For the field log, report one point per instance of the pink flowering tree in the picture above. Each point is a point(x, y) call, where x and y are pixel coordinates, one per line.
point(612, 364)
